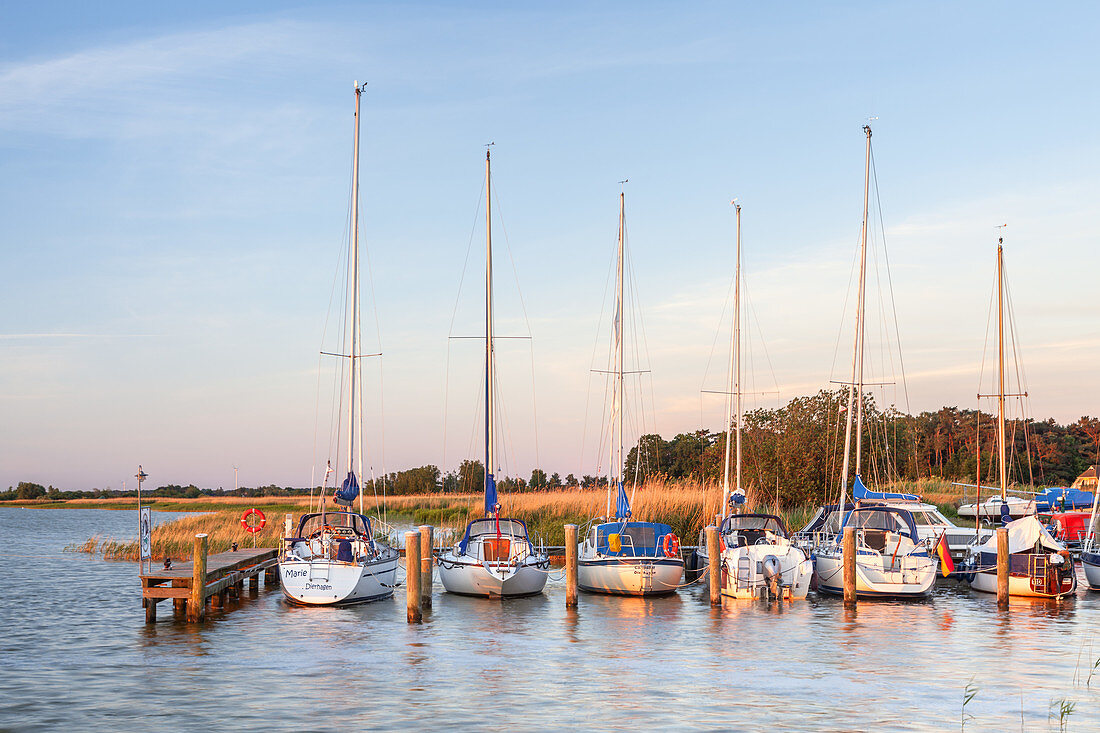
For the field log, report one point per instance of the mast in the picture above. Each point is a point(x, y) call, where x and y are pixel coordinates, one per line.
point(489, 457)
point(353, 268)
point(1001, 366)
point(734, 376)
point(617, 444)
point(857, 355)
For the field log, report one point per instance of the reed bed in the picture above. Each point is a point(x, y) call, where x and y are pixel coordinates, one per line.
point(686, 505)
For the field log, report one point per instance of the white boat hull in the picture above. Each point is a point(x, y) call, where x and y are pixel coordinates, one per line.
point(494, 580)
point(1091, 563)
point(907, 577)
point(630, 576)
point(743, 574)
point(326, 583)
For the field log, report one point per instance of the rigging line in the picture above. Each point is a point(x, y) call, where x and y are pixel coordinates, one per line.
point(844, 310)
point(526, 319)
point(592, 362)
point(890, 282)
point(645, 347)
point(1021, 377)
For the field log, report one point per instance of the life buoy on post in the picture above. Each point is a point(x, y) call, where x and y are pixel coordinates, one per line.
point(671, 545)
point(247, 523)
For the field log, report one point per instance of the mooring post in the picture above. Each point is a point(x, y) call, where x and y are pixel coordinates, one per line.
point(150, 610)
point(288, 525)
point(714, 561)
point(427, 561)
point(848, 554)
point(196, 605)
point(570, 566)
point(412, 577)
point(1002, 567)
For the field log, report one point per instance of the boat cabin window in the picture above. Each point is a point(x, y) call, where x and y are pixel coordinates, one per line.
point(343, 524)
point(508, 527)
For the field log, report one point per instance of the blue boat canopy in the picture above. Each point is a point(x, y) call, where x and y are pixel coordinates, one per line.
point(1057, 497)
point(512, 528)
point(636, 539)
point(888, 518)
point(861, 492)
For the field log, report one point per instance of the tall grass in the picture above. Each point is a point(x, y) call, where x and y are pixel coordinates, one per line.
point(686, 505)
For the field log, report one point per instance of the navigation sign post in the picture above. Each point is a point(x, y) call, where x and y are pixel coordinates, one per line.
point(145, 525)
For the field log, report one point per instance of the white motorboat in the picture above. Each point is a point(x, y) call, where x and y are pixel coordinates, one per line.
point(496, 557)
point(759, 560)
point(621, 556)
point(990, 511)
point(335, 558)
point(891, 561)
point(1039, 566)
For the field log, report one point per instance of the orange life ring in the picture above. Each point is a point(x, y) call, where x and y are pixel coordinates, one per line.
point(671, 545)
point(248, 526)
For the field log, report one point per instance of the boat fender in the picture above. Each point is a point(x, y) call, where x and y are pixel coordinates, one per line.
point(247, 523)
point(671, 545)
point(1056, 559)
point(614, 542)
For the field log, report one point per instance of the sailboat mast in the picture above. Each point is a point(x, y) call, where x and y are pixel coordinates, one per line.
point(1001, 365)
point(861, 322)
point(353, 267)
point(857, 351)
point(489, 457)
point(618, 444)
point(734, 379)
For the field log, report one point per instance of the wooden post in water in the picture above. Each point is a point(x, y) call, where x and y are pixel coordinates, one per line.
point(196, 605)
point(150, 610)
point(714, 558)
point(427, 561)
point(849, 557)
point(1002, 567)
point(412, 577)
point(570, 566)
point(288, 525)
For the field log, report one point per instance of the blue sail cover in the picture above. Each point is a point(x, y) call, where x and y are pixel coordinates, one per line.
point(348, 491)
point(1057, 498)
point(622, 504)
point(859, 491)
point(490, 494)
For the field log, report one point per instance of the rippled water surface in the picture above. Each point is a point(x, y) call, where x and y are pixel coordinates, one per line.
point(77, 654)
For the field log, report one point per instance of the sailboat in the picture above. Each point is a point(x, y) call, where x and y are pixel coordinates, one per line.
point(1039, 565)
point(1090, 552)
point(891, 559)
point(333, 557)
point(758, 558)
point(618, 555)
point(496, 556)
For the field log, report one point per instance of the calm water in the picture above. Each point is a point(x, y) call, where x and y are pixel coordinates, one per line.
point(77, 654)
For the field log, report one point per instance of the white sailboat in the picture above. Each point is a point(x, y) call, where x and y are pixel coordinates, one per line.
point(758, 558)
point(891, 560)
point(496, 556)
point(334, 557)
point(618, 555)
point(1039, 565)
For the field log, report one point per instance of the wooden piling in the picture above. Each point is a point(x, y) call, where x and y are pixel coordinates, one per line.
point(179, 605)
point(196, 605)
point(412, 577)
point(570, 566)
point(288, 525)
point(271, 577)
point(150, 610)
point(427, 563)
point(714, 560)
point(1002, 567)
point(849, 557)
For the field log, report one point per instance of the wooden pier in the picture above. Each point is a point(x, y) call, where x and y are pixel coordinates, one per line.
point(214, 578)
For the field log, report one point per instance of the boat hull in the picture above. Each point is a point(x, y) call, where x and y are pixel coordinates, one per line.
point(913, 578)
point(1090, 561)
point(630, 576)
point(743, 575)
point(330, 583)
point(492, 580)
point(1018, 585)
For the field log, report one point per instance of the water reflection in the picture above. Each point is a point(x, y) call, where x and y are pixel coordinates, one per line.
point(671, 662)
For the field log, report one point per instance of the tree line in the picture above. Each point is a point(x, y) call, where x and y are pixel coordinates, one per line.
point(795, 451)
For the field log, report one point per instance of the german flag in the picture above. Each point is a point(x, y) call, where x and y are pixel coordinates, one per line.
point(947, 566)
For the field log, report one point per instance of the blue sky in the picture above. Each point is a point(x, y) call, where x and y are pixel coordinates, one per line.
point(174, 186)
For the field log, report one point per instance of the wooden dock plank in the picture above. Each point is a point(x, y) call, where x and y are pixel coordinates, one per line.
point(217, 565)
